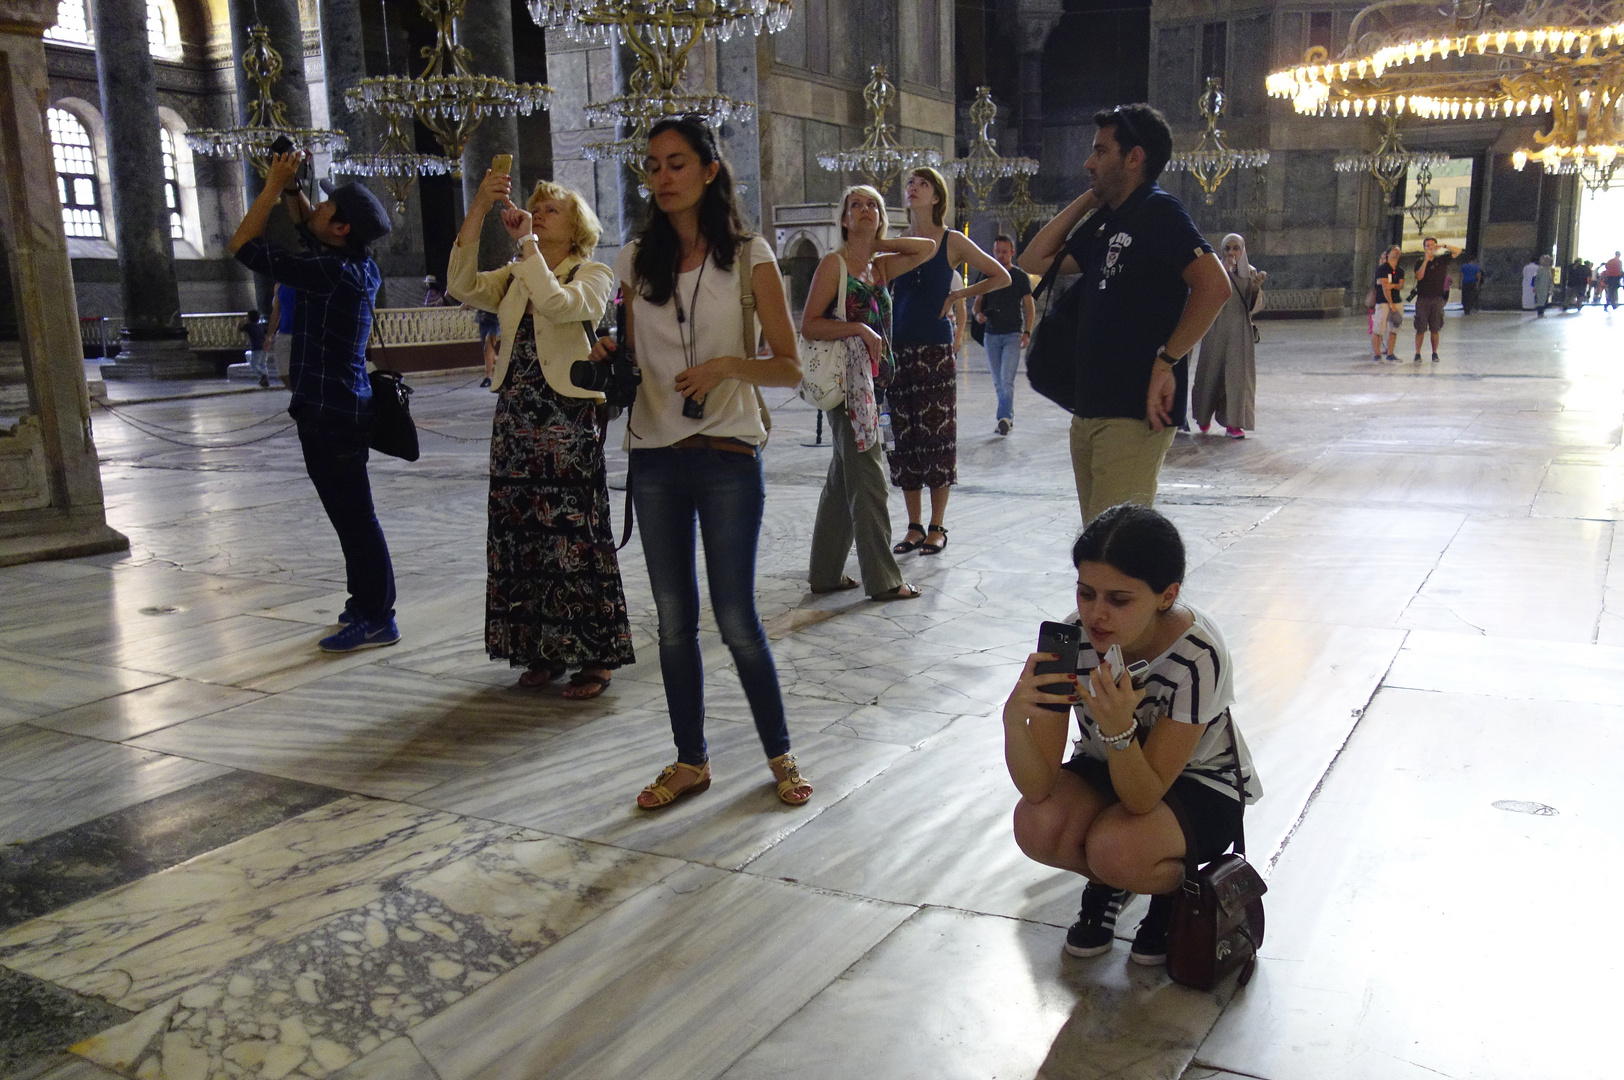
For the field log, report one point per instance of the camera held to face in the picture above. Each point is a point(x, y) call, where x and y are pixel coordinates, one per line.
point(618, 378)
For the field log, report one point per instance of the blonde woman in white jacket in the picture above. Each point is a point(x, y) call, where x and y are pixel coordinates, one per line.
point(553, 598)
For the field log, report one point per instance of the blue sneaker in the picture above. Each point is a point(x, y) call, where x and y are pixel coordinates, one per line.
point(362, 634)
point(346, 617)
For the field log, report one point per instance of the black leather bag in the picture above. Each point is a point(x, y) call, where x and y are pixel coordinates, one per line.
point(393, 430)
point(1051, 355)
point(1217, 923)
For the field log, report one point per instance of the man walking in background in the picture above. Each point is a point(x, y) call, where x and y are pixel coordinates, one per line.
point(1008, 315)
point(1432, 293)
point(1471, 284)
point(1612, 274)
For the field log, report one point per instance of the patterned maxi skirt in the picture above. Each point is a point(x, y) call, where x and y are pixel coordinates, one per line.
point(924, 403)
point(554, 592)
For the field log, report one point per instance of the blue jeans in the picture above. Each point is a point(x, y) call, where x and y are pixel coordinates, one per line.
point(724, 491)
point(1003, 357)
point(335, 456)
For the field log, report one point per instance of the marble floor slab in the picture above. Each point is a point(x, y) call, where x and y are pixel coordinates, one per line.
point(371, 730)
point(585, 784)
point(737, 956)
point(32, 685)
point(1373, 899)
point(982, 974)
point(329, 997)
point(147, 941)
point(57, 781)
point(53, 871)
point(1509, 668)
point(140, 712)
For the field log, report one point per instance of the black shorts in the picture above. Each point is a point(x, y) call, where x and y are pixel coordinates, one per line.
point(1214, 816)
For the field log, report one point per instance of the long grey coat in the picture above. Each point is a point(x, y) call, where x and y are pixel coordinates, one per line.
point(1226, 366)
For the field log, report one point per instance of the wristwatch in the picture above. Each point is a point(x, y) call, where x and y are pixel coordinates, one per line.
point(1167, 358)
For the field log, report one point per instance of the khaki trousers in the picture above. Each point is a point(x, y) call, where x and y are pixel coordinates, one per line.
point(852, 508)
point(1115, 461)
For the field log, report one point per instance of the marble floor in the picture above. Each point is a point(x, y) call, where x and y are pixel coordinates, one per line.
point(225, 854)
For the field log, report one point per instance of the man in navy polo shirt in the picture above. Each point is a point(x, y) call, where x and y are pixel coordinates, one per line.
point(334, 283)
point(1151, 288)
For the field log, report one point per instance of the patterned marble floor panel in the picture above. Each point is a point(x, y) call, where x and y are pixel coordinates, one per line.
point(147, 941)
point(40, 1020)
point(51, 872)
point(680, 980)
point(318, 1002)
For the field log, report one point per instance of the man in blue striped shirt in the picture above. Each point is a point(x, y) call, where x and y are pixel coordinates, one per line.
point(334, 282)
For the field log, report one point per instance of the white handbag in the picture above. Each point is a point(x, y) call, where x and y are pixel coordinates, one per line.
point(823, 363)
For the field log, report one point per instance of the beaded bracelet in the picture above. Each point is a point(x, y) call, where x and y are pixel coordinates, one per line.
point(1119, 741)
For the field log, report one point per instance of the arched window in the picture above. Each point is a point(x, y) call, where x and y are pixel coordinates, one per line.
point(72, 28)
point(75, 175)
point(177, 228)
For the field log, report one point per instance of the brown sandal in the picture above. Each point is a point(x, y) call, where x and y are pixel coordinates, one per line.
point(657, 796)
point(793, 788)
point(586, 685)
point(535, 678)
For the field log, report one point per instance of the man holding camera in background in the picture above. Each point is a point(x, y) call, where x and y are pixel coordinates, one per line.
point(1431, 293)
point(334, 282)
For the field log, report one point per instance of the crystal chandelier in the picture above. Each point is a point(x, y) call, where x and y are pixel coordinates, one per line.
point(662, 33)
point(880, 159)
point(983, 167)
point(267, 117)
point(396, 163)
point(1391, 159)
point(447, 98)
point(1022, 210)
point(1213, 159)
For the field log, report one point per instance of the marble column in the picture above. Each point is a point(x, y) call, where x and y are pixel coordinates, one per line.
point(344, 60)
point(736, 76)
point(633, 203)
point(152, 342)
point(486, 31)
point(50, 478)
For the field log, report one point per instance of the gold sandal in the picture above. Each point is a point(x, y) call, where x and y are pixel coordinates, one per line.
point(793, 788)
point(657, 796)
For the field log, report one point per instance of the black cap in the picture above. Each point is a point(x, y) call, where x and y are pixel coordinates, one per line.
point(360, 210)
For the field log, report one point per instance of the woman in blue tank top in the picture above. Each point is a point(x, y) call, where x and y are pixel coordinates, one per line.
point(923, 394)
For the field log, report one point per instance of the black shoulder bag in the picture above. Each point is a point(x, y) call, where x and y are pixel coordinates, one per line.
point(1051, 355)
point(393, 430)
point(1218, 917)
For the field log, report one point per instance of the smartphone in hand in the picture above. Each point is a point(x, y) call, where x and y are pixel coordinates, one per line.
point(502, 164)
point(1063, 639)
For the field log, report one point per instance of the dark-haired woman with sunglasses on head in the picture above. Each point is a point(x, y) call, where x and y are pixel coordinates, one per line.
point(695, 435)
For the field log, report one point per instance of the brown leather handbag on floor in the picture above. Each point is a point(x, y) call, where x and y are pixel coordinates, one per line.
point(1218, 918)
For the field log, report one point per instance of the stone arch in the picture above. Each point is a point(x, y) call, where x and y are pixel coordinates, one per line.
point(802, 253)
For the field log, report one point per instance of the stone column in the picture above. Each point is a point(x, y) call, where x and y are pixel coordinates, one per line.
point(633, 203)
point(486, 31)
point(152, 342)
point(50, 479)
point(736, 76)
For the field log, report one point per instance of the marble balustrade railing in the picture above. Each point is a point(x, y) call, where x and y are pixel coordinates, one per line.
point(219, 330)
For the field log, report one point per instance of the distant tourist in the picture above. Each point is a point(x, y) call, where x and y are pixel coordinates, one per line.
point(1226, 367)
point(1471, 284)
point(1166, 740)
point(433, 295)
point(1432, 293)
point(1612, 274)
point(1577, 285)
point(1544, 283)
point(253, 328)
point(1151, 287)
point(1008, 315)
point(1387, 311)
point(1530, 272)
point(924, 395)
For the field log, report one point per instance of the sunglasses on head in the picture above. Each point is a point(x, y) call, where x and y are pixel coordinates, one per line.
point(1123, 121)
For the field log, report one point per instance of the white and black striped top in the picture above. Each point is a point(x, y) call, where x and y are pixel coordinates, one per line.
point(1190, 683)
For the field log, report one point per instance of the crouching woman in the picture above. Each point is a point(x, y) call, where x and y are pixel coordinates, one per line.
point(1107, 811)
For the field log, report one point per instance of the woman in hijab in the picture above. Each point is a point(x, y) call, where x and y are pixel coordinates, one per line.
point(1226, 368)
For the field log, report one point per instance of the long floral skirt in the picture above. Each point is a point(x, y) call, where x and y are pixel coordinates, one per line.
point(554, 592)
point(924, 404)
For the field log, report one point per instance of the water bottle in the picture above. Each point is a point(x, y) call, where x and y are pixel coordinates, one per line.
point(887, 438)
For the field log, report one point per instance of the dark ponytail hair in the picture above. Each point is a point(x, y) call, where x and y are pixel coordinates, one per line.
point(659, 251)
point(1136, 541)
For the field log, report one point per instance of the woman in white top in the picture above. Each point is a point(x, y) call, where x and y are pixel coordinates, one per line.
point(695, 434)
point(852, 507)
point(1107, 813)
point(553, 599)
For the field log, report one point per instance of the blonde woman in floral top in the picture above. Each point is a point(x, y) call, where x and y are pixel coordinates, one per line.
point(852, 507)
